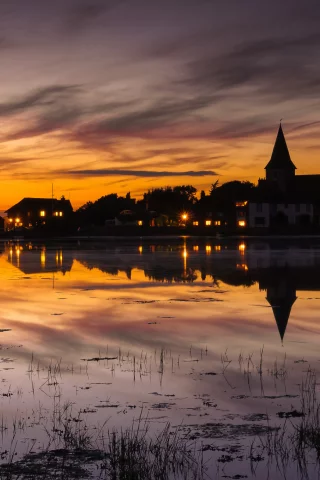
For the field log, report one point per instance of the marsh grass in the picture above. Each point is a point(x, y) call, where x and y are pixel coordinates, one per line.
point(74, 451)
point(134, 454)
point(298, 442)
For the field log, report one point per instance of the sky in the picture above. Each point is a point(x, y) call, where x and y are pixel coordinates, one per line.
point(112, 96)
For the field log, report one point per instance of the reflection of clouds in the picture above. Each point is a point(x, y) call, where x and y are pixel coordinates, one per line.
point(102, 309)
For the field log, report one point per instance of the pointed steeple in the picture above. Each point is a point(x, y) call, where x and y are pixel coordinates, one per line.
point(281, 314)
point(281, 298)
point(280, 158)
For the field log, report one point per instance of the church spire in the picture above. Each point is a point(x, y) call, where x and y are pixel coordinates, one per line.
point(280, 158)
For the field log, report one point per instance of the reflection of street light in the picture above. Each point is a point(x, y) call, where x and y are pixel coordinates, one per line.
point(242, 248)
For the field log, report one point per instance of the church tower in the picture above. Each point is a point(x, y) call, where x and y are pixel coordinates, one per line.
point(281, 170)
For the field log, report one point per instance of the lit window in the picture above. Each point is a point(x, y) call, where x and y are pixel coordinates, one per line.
point(10, 220)
point(60, 214)
point(56, 214)
point(217, 223)
point(208, 248)
point(140, 223)
point(208, 223)
point(140, 249)
point(195, 224)
point(195, 248)
point(18, 220)
point(242, 223)
point(217, 248)
point(241, 204)
point(42, 213)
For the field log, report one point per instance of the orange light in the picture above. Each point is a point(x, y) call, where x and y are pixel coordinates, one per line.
point(242, 247)
point(242, 223)
point(208, 223)
point(140, 223)
point(217, 223)
point(242, 266)
point(17, 220)
point(195, 224)
point(241, 204)
point(42, 213)
point(140, 249)
point(43, 258)
point(10, 220)
point(184, 216)
point(208, 249)
point(195, 248)
point(217, 248)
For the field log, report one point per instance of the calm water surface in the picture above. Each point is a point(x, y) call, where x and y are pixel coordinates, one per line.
point(177, 333)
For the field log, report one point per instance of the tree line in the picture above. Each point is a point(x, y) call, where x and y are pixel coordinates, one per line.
point(168, 201)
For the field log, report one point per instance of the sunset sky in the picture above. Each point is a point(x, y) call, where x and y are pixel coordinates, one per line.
point(124, 95)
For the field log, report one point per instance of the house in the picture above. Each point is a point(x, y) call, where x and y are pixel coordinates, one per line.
point(140, 218)
point(33, 212)
point(282, 198)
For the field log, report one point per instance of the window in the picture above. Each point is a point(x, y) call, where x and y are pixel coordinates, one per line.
point(242, 223)
point(259, 221)
point(308, 207)
point(42, 213)
point(217, 223)
point(298, 207)
point(60, 214)
point(259, 207)
point(208, 223)
point(140, 223)
point(241, 204)
point(196, 223)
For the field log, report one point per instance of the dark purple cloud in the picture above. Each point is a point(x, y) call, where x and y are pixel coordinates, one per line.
point(135, 173)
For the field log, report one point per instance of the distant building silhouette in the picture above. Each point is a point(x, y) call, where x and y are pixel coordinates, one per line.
point(32, 212)
point(283, 198)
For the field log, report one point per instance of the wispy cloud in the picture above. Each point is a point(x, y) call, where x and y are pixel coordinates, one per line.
point(135, 173)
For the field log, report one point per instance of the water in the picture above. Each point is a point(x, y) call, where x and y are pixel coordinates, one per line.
point(191, 332)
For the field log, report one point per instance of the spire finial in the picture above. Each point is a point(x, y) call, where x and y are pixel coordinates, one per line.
point(281, 121)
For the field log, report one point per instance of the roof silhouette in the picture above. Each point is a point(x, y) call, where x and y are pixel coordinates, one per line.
point(280, 158)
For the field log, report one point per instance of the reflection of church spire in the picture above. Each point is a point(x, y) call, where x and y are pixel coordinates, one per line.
point(281, 297)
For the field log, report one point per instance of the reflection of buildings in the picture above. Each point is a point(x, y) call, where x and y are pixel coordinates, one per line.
point(280, 272)
point(281, 295)
point(39, 260)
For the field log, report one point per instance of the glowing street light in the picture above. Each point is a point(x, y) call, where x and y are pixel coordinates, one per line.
point(184, 216)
